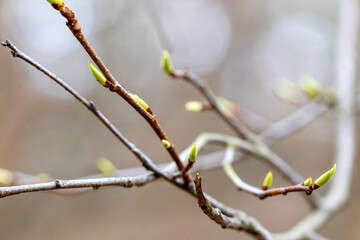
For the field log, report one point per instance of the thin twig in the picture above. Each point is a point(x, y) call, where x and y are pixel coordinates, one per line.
point(236, 222)
point(266, 154)
point(75, 28)
point(300, 118)
point(242, 185)
point(95, 183)
point(63, 184)
point(233, 122)
point(137, 152)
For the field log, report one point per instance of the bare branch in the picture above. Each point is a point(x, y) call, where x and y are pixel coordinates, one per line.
point(137, 152)
point(206, 91)
point(345, 146)
point(239, 221)
point(126, 182)
point(263, 150)
point(261, 194)
point(302, 117)
point(114, 85)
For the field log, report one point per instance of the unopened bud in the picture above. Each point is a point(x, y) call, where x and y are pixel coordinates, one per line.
point(166, 63)
point(323, 179)
point(167, 144)
point(58, 2)
point(43, 177)
point(310, 86)
point(287, 91)
point(139, 101)
point(194, 106)
point(307, 182)
point(106, 167)
point(98, 75)
point(193, 154)
point(6, 177)
point(268, 180)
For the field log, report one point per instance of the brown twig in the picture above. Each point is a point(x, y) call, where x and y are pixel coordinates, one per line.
point(75, 28)
point(89, 105)
point(243, 186)
point(249, 225)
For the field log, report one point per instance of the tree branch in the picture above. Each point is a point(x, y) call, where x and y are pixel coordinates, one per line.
point(339, 190)
point(114, 85)
point(89, 105)
point(263, 150)
point(261, 194)
point(238, 222)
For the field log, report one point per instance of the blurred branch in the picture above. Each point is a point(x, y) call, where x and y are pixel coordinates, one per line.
point(339, 190)
point(263, 150)
point(302, 117)
point(206, 91)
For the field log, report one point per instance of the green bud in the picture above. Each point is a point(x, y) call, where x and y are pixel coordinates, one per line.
point(193, 154)
point(307, 182)
point(228, 107)
point(193, 106)
point(59, 2)
point(268, 180)
point(310, 86)
point(6, 177)
point(323, 179)
point(287, 91)
point(106, 167)
point(166, 63)
point(139, 101)
point(167, 144)
point(98, 75)
point(43, 177)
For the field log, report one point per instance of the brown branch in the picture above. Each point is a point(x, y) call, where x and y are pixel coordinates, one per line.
point(237, 222)
point(75, 28)
point(243, 186)
point(89, 105)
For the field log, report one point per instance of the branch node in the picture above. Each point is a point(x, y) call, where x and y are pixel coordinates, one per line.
point(58, 183)
point(93, 107)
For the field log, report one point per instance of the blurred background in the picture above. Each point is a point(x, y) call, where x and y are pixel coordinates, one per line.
point(241, 48)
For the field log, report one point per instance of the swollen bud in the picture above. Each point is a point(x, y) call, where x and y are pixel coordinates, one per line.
point(307, 182)
point(287, 91)
point(194, 106)
point(193, 154)
point(106, 167)
point(98, 75)
point(139, 101)
point(310, 86)
point(166, 63)
point(6, 177)
point(268, 180)
point(58, 2)
point(167, 144)
point(43, 177)
point(323, 179)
